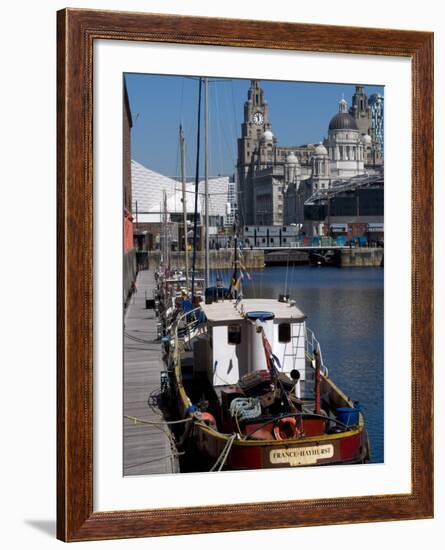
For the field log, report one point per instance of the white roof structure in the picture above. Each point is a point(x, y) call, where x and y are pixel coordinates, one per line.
point(225, 312)
point(148, 190)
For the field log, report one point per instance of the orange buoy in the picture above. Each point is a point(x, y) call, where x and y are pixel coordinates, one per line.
point(286, 428)
point(208, 419)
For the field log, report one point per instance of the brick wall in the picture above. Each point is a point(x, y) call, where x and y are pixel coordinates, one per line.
point(128, 219)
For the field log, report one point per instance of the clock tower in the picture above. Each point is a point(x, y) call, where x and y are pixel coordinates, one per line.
point(256, 122)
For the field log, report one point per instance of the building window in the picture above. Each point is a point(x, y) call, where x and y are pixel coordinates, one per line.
point(284, 332)
point(234, 334)
point(284, 239)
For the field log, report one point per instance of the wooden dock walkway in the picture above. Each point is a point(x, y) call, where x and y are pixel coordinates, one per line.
point(147, 447)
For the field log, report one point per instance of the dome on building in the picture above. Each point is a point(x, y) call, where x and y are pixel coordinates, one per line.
point(321, 149)
point(343, 121)
point(366, 139)
point(267, 136)
point(291, 158)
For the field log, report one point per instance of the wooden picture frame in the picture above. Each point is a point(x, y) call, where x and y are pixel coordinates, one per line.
point(77, 31)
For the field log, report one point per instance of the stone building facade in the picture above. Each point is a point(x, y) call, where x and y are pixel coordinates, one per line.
point(274, 180)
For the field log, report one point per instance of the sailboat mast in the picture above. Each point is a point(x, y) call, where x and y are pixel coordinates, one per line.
point(166, 234)
point(184, 204)
point(206, 182)
point(195, 221)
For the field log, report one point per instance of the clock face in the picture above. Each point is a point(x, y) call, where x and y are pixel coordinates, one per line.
point(258, 118)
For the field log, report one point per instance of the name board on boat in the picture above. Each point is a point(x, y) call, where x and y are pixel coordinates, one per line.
point(297, 456)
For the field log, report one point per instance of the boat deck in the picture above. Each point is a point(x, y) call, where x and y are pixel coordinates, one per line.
point(147, 447)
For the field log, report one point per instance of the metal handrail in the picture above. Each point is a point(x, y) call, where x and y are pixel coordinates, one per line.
point(312, 344)
point(191, 324)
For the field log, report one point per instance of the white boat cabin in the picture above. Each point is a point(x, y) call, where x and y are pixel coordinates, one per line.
point(234, 345)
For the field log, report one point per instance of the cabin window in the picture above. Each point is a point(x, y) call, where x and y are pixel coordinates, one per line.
point(234, 334)
point(284, 332)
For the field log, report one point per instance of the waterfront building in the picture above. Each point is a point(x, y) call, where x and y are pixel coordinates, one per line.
point(274, 181)
point(270, 236)
point(128, 218)
point(345, 144)
point(376, 103)
point(129, 259)
point(152, 211)
point(353, 208)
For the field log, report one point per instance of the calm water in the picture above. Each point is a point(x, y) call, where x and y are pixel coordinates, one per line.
point(344, 307)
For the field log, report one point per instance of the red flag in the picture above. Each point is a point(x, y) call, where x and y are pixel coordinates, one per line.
point(268, 351)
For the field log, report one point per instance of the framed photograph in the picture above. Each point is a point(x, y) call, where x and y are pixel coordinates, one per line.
point(232, 354)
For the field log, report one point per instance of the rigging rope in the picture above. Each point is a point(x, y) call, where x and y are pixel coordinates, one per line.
point(137, 420)
point(221, 460)
point(170, 455)
point(136, 339)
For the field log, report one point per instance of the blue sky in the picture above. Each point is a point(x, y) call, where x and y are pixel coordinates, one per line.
point(299, 113)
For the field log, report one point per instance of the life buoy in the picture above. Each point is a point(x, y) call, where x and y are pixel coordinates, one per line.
point(286, 428)
point(208, 419)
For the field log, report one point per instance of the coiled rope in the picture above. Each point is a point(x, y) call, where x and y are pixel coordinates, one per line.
point(245, 408)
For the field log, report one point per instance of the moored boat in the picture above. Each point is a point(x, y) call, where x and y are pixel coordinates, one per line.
point(247, 377)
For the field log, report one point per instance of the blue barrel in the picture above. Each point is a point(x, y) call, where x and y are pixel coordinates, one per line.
point(348, 415)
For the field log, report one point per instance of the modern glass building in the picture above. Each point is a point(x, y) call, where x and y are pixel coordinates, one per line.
point(376, 102)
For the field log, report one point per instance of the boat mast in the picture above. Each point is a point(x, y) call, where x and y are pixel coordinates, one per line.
point(166, 233)
point(235, 257)
point(184, 204)
point(195, 221)
point(206, 182)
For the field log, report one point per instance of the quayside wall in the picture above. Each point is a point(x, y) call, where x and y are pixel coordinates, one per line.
point(362, 257)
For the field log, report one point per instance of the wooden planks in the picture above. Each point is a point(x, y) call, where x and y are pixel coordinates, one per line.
point(147, 448)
